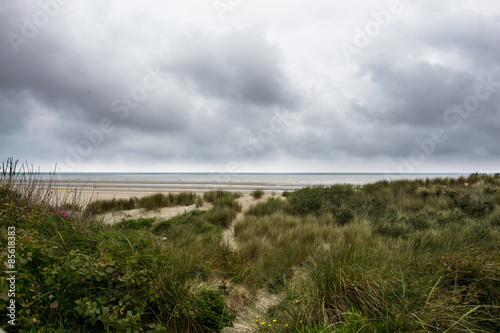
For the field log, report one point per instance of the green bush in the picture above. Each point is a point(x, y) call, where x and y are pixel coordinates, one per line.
point(319, 200)
point(344, 216)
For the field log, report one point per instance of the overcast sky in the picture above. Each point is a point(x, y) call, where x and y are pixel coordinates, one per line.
point(251, 85)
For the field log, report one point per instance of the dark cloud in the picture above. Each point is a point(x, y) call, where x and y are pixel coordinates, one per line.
point(115, 84)
point(241, 66)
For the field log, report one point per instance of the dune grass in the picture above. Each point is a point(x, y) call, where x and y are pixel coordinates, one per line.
point(257, 194)
point(399, 256)
point(150, 202)
point(411, 256)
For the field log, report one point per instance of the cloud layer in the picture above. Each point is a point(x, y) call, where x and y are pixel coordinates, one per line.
point(370, 86)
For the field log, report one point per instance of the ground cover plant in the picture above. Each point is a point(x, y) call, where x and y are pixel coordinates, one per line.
point(148, 203)
point(393, 256)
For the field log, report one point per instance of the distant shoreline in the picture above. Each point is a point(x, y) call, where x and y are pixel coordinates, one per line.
point(137, 185)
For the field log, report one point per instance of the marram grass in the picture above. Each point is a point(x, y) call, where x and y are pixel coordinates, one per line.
point(403, 256)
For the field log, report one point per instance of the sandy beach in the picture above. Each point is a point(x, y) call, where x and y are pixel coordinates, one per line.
point(127, 189)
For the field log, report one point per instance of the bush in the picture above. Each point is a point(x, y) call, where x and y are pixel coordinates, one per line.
point(419, 221)
point(474, 205)
point(344, 216)
point(319, 200)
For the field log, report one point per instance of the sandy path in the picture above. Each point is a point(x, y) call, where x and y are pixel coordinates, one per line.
point(246, 201)
point(246, 313)
point(247, 307)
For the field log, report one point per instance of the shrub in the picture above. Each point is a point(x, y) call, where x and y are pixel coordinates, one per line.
point(307, 201)
point(344, 216)
point(419, 221)
point(319, 200)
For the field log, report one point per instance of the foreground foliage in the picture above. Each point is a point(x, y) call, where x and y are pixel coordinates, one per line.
point(396, 256)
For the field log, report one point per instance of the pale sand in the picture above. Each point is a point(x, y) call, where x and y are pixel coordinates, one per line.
point(162, 214)
point(127, 189)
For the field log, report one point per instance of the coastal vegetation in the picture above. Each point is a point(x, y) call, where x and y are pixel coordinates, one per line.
point(392, 256)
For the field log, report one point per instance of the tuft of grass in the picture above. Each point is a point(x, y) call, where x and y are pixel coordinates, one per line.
point(220, 216)
point(151, 202)
point(271, 206)
point(227, 202)
point(199, 201)
point(257, 194)
point(103, 206)
point(212, 196)
point(140, 223)
point(186, 218)
point(160, 200)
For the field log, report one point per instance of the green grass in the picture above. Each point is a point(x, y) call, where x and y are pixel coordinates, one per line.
point(257, 194)
point(150, 202)
point(402, 256)
point(272, 205)
point(212, 196)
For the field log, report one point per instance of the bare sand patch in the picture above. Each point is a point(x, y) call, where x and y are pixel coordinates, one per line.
point(162, 214)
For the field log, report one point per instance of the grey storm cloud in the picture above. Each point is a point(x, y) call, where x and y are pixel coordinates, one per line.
point(241, 66)
point(126, 85)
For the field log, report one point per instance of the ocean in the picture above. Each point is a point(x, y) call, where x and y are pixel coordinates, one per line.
point(240, 181)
